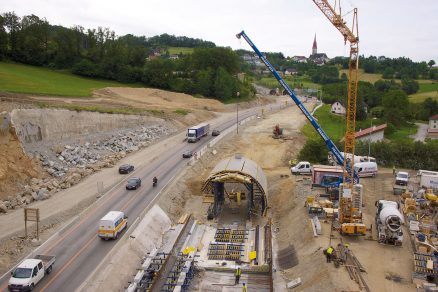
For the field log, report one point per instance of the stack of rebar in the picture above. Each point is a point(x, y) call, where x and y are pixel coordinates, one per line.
point(353, 266)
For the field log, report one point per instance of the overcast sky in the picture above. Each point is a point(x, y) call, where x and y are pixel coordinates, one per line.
point(392, 28)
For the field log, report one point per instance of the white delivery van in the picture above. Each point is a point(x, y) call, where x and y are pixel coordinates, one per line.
point(112, 224)
point(30, 272)
point(365, 169)
point(303, 167)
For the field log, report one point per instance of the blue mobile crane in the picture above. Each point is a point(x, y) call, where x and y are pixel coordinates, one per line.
point(349, 218)
point(328, 142)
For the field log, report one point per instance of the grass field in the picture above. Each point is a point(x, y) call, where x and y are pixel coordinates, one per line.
point(271, 82)
point(403, 133)
point(428, 87)
point(368, 77)
point(334, 126)
point(420, 97)
point(37, 80)
point(180, 50)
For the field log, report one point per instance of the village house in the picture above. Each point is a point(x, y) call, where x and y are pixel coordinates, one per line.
point(432, 130)
point(373, 134)
point(338, 108)
point(299, 59)
point(290, 71)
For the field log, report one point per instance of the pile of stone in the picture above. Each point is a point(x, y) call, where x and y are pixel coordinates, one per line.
point(83, 155)
point(68, 165)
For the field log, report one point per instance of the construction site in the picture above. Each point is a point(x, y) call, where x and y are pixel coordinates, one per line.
point(237, 212)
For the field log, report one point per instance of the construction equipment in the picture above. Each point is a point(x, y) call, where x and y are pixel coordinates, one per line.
point(352, 36)
point(389, 222)
point(349, 223)
point(352, 176)
point(329, 143)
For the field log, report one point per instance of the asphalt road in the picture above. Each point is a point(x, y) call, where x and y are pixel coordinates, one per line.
point(78, 250)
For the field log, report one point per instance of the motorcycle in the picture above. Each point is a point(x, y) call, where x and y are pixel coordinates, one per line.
point(154, 182)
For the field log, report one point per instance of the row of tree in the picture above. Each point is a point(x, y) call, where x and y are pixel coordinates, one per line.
point(406, 154)
point(99, 53)
point(384, 98)
point(390, 68)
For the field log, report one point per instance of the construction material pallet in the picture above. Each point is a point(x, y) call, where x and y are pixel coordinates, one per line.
point(221, 251)
point(230, 235)
point(421, 264)
point(222, 235)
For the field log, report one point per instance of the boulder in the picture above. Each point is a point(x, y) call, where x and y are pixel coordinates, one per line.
point(3, 208)
point(29, 199)
point(41, 195)
point(35, 188)
point(14, 202)
point(7, 204)
point(55, 183)
point(34, 181)
point(27, 190)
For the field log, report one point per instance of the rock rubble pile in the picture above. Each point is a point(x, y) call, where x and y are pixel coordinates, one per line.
point(68, 164)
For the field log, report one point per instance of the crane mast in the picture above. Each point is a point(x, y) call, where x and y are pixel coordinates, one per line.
point(347, 214)
point(352, 36)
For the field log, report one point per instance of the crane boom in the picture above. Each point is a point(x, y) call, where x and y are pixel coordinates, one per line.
point(336, 20)
point(329, 143)
point(352, 36)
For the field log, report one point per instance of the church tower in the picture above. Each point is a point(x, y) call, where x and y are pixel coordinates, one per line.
point(314, 47)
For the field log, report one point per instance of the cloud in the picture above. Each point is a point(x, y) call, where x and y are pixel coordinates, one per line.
point(392, 28)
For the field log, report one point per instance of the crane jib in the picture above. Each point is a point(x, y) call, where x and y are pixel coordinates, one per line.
point(329, 143)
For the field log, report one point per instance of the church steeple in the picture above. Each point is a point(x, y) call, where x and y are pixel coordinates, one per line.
point(314, 47)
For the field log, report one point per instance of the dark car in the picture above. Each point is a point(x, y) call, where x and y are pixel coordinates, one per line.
point(126, 168)
point(215, 133)
point(187, 154)
point(133, 183)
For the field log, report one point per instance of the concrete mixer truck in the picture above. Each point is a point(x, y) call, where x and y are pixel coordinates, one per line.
point(389, 223)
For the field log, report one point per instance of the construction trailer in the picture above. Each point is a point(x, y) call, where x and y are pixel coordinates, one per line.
point(320, 172)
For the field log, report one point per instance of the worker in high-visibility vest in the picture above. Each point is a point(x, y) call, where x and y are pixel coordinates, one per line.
point(237, 274)
point(329, 254)
point(244, 288)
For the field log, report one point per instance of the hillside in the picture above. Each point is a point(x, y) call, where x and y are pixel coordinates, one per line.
point(20, 78)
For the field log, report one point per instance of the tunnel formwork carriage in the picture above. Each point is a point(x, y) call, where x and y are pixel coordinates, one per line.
point(232, 172)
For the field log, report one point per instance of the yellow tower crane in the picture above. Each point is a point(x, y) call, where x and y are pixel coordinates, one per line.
point(349, 217)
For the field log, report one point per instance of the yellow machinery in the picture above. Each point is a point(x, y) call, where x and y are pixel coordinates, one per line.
point(351, 220)
point(429, 195)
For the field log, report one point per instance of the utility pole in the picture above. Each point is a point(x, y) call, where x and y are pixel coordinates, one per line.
point(237, 114)
point(369, 137)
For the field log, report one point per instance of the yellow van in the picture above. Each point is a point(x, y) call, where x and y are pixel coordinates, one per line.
point(112, 224)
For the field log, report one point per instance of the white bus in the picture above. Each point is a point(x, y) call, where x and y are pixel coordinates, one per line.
point(112, 224)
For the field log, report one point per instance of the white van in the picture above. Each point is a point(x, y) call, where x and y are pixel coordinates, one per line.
point(112, 224)
point(365, 169)
point(303, 167)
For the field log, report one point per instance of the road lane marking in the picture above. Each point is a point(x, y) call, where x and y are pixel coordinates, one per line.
point(108, 199)
point(68, 263)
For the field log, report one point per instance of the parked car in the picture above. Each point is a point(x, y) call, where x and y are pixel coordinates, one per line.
point(126, 168)
point(215, 132)
point(133, 183)
point(187, 154)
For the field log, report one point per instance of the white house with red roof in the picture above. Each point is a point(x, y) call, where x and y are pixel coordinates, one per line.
point(373, 134)
point(432, 131)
